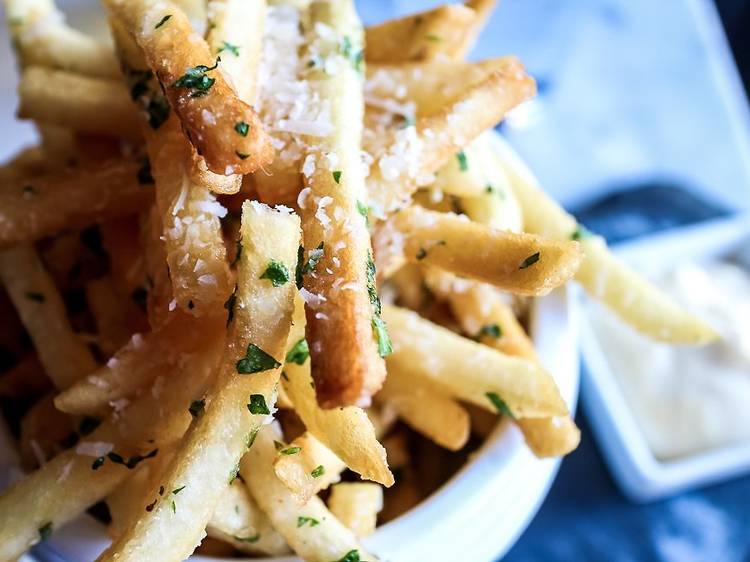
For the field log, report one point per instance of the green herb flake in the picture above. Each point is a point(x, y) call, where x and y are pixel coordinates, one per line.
point(351, 556)
point(150, 507)
point(385, 346)
point(234, 49)
point(580, 233)
point(45, 531)
point(491, 330)
point(131, 462)
point(433, 38)
point(336, 176)
point(163, 20)
point(318, 471)
point(242, 128)
point(499, 404)
point(313, 258)
point(299, 353)
point(161, 490)
point(250, 439)
point(463, 162)
point(88, 425)
point(355, 56)
point(421, 254)
point(97, 464)
point(178, 490)
point(241, 155)
point(363, 210)
point(229, 305)
point(278, 445)
point(234, 474)
point(34, 296)
point(298, 269)
point(237, 252)
point(195, 79)
point(196, 407)
point(302, 521)
point(258, 405)
point(372, 290)
point(255, 538)
point(290, 451)
point(531, 260)
point(277, 273)
point(256, 361)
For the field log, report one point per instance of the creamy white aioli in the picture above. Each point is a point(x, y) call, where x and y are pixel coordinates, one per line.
point(688, 399)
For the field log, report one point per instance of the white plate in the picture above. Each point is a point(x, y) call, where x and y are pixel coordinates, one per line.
point(476, 516)
point(640, 475)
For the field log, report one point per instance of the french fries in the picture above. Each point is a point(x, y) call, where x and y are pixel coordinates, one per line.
point(237, 404)
point(356, 505)
point(521, 263)
point(225, 131)
point(346, 337)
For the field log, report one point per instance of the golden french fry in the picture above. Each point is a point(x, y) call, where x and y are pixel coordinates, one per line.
point(43, 430)
point(443, 31)
point(605, 278)
point(82, 103)
point(260, 316)
point(356, 505)
point(42, 205)
point(224, 130)
point(424, 409)
point(41, 37)
point(306, 467)
point(414, 153)
point(346, 337)
point(482, 10)
point(467, 370)
point(525, 264)
point(311, 530)
point(65, 357)
point(110, 315)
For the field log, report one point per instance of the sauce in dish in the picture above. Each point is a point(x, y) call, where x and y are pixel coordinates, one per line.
point(688, 399)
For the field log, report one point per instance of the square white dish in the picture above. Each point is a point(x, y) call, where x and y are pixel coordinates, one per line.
point(641, 476)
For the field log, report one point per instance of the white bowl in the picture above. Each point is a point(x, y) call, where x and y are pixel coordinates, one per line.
point(640, 475)
point(477, 515)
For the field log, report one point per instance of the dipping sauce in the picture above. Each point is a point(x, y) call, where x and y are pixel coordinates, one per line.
point(688, 399)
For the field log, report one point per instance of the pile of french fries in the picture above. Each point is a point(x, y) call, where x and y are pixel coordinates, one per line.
point(249, 250)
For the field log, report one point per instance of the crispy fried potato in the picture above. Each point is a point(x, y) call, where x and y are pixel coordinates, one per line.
point(312, 468)
point(203, 466)
point(605, 278)
point(110, 315)
point(311, 530)
point(441, 32)
point(356, 505)
point(35, 206)
point(342, 306)
point(208, 108)
point(520, 263)
point(434, 354)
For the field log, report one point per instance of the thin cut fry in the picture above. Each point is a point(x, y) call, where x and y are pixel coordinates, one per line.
point(443, 31)
point(110, 315)
point(312, 469)
point(224, 130)
point(42, 205)
point(346, 336)
point(356, 505)
point(203, 466)
point(605, 278)
point(483, 10)
point(311, 530)
point(468, 370)
point(525, 264)
point(64, 355)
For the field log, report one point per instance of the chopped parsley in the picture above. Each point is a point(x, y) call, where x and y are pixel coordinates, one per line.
point(241, 155)
point(313, 258)
point(88, 425)
point(34, 296)
point(351, 556)
point(372, 290)
point(258, 405)
point(499, 404)
point(298, 269)
point(234, 474)
point(152, 100)
point(131, 462)
point(580, 233)
point(277, 273)
point(229, 305)
point(237, 251)
point(178, 490)
point(491, 330)
point(195, 79)
point(196, 407)
point(385, 346)
point(242, 128)
point(433, 38)
point(174, 506)
point(290, 451)
point(318, 471)
point(299, 353)
point(463, 162)
point(250, 439)
point(531, 260)
point(234, 49)
point(363, 210)
point(421, 254)
point(161, 490)
point(45, 531)
point(97, 464)
point(302, 521)
point(144, 173)
point(255, 538)
point(255, 361)
point(163, 20)
point(336, 176)
point(355, 56)
point(150, 507)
